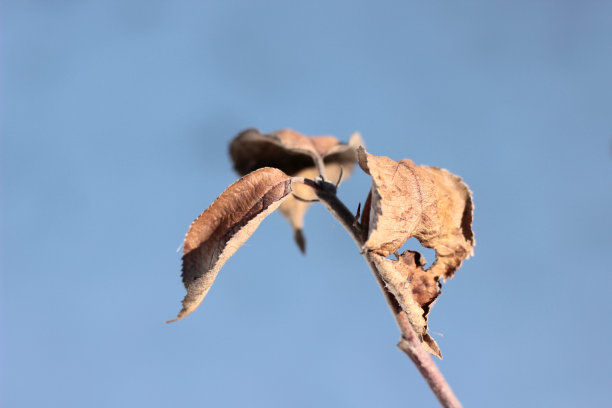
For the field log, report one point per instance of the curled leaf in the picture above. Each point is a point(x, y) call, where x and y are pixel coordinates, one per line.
point(414, 288)
point(220, 230)
point(289, 151)
point(428, 203)
point(297, 155)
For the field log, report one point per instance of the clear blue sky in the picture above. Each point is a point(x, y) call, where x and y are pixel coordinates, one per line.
point(115, 121)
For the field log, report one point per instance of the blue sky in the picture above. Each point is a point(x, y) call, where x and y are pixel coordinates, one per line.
point(115, 122)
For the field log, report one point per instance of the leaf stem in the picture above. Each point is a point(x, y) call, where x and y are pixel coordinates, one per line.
point(320, 167)
point(410, 342)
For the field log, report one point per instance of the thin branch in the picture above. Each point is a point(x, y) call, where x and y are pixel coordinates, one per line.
point(410, 342)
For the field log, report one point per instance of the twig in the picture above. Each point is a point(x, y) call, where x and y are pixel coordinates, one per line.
point(410, 342)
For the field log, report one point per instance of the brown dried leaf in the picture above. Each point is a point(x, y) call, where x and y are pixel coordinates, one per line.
point(428, 203)
point(288, 150)
point(414, 288)
point(296, 155)
point(220, 230)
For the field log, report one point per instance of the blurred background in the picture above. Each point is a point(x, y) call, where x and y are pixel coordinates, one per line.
point(115, 122)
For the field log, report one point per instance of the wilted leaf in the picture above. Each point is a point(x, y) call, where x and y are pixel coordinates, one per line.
point(296, 155)
point(220, 230)
point(428, 203)
point(288, 150)
point(414, 288)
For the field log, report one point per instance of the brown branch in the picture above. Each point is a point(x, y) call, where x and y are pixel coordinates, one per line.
point(410, 342)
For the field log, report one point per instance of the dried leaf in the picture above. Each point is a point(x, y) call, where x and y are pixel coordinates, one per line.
point(220, 230)
point(428, 203)
point(288, 150)
point(296, 155)
point(414, 288)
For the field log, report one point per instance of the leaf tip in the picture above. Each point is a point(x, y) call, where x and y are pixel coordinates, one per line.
point(298, 236)
point(184, 312)
point(362, 159)
point(356, 140)
point(430, 345)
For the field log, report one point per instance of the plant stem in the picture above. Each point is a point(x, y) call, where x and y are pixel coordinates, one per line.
point(410, 342)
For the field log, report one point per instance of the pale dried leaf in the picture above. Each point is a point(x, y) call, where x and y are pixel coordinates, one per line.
point(428, 203)
point(295, 154)
point(313, 146)
point(220, 230)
